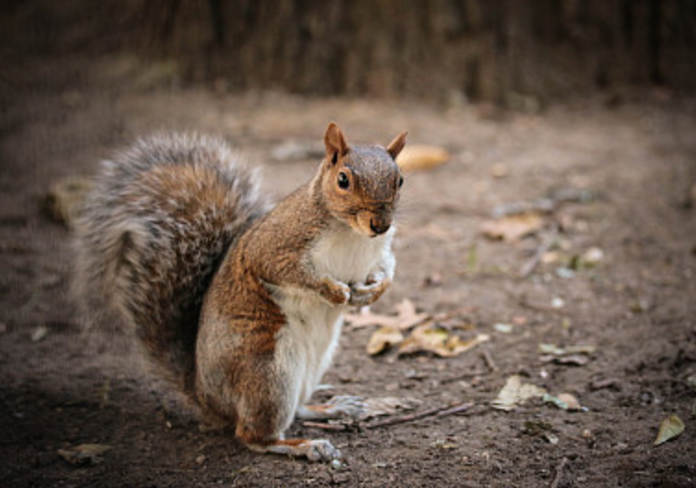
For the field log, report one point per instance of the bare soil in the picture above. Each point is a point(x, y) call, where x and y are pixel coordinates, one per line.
point(637, 307)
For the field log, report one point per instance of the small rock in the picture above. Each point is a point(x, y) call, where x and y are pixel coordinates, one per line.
point(503, 328)
point(565, 273)
point(592, 257)
point(39, 333)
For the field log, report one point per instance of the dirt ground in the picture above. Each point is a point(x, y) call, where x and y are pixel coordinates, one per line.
point(636, 161)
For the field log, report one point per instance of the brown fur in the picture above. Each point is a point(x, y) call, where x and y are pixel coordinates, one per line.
point(172, 212)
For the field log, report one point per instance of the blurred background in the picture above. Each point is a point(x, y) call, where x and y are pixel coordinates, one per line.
point(511, 53)
point(561, 218)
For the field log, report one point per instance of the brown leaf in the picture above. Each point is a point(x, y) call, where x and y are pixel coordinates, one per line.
point(382, 339)
point(439, 341)
point(512, 227)
point(515, 393)
point(415, 157)
point(406, 317)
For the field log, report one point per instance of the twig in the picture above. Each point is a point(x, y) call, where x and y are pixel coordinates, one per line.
point(462, 407)
point(438, 411)
point(321, 425)
point(489, 361)
point(559, 473)
point(529, 267)
point(463, 376)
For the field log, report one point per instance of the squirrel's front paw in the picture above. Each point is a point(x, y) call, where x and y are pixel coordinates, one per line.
point(347, 406)
point(322, 450)
point(335, 292)
point(365, 294)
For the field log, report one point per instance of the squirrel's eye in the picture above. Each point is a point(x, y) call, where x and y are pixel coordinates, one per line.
point(343, 181)
point(401, 181)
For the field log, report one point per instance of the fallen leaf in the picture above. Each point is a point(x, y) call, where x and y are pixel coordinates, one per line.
point(515, 393)
point(444, 444)
point(65, 197)
point(443, 343)
point(377, 407)
point(670, 428)
point(84, 454)
point(406, 317)
point(512, 227)
point(564, 401)
point(39, 333)
point(383, 339)
point(419, 157)
point(552, 438)
point(407, 314)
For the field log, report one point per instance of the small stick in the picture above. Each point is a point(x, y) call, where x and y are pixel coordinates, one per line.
point(559, 473)
point(320, 425)
point(438, 411)
point(463, 376)
point(489, 361)
point(463, 407)
point(529, 267)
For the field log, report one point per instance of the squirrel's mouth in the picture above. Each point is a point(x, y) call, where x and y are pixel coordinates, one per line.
point(370, 224)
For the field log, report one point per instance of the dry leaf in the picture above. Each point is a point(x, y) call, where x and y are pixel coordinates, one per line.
point(512, 227)
point(84, 454)
point(365, 318)
point(406, 317)
point(515, 393)
point(415, 157)
point(376, 407)
point(670, 428)
point(65, 197)
point(382, 339)
point(564, 401)
point(39, 333)
point(430, 338)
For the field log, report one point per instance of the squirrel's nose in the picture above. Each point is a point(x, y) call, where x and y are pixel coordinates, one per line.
point(379, 227)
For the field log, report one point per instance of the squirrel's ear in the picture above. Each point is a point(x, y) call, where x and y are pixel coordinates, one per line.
point(395, 147)
point(336, 144)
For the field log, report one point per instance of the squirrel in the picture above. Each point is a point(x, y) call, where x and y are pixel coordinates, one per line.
point(240, 305)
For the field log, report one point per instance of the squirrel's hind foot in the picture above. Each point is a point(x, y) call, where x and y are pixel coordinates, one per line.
point(312, 449)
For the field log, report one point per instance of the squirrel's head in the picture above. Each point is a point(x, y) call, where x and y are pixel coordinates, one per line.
point(361, 184)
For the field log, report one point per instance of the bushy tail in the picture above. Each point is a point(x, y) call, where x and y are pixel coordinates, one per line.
point(152, 234)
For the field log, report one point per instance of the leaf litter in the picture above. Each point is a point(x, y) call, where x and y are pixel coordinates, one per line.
point(428, 333)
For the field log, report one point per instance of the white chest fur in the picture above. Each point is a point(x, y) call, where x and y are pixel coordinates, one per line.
point(347, 256)
point(306, 346)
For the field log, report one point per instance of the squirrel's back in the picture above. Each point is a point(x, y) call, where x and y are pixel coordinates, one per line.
point(151, 235)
